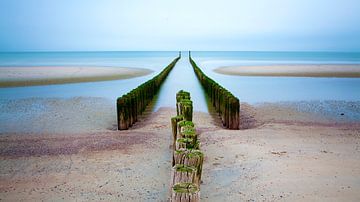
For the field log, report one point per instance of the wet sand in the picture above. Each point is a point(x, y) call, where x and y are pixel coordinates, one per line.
point(303, 70)
point(29, 76)
point(280, 154)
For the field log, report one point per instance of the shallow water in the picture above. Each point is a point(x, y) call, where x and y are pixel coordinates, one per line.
point(155, 61)
point(182, 77)
point(30, 105)
point(248, 89)
point(273, 89)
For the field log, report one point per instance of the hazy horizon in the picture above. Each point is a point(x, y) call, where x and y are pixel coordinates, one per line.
point(160, 25)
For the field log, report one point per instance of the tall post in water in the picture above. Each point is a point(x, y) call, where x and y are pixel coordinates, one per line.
point(179, 54)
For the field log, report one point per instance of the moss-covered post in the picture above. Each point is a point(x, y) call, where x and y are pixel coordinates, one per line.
point(186, 109)
point(182, 124)
point(234, 113)
point(121, 111)
point(181, 95)
point(174, 123)
point(184, 173)
point(221, 99)
point(132, 104)
point(187, 132)
point(190, 157)
point(186, 143)
point(185, 192)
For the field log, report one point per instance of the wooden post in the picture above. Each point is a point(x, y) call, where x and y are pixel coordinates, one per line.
point(183, 173)
point(234, 113)
point(185, 192)
point(121, 111)
point(183, 123)
point(190, 157)
point(187, 110)
point(186, 143)
point(187, 131)
point(221, 99)
point(174, 123)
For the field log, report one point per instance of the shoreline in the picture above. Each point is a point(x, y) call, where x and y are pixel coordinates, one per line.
point(298, 70)
point(280, 147)
point(33, 76)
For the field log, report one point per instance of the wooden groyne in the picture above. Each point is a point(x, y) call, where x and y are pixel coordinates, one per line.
point(132, 104)
point(225, 103)
point(187, 159)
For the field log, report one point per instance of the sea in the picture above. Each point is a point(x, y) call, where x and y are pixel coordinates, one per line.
point(247, 88)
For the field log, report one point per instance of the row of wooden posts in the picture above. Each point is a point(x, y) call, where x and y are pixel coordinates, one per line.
point(132, 104)
point(187, 159)
point(225, 103)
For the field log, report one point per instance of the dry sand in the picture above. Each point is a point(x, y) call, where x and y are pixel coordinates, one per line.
point(284, 154)
point(303, 70)
point(26, 76)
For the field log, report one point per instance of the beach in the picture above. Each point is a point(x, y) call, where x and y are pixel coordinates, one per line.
point(300, 70)
point(29, 76)
point(280, 153)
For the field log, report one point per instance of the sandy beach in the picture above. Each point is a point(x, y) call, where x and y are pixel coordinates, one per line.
point(28, 76)
point(281, 153)
point(303, 70)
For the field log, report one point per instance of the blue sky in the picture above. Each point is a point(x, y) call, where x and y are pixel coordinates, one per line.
point(253, 25)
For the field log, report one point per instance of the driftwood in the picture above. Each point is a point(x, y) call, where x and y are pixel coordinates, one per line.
point(185, 192)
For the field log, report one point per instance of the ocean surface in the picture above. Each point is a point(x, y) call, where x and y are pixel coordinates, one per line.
point(248, 89)
point(275, 89)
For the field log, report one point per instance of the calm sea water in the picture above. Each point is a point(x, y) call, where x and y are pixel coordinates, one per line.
point(155, 61)
point(273, 89)
point(248, 89)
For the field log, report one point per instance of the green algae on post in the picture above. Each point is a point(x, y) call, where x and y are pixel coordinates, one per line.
point(190, 157)
point(224, 102)
point(185, 192)
point(132, 104)
point(184, 173)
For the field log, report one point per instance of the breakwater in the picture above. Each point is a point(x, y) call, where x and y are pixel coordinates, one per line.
point(225, 103)
point(132, 104)
point(187, 159)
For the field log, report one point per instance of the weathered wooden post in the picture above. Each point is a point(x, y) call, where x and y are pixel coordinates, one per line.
point(121, 111)
point(190, 157)
point(184, 173)
point(234, 113)
point(132, 104)
point(186, 109)
point(182, 124)
point(181, 95)
point(187, 143)
point(187, 132)
point(174, 123)
point(185, 192)
point(221, 99)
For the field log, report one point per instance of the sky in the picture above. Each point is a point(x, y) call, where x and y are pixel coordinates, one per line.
point(241, 25)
